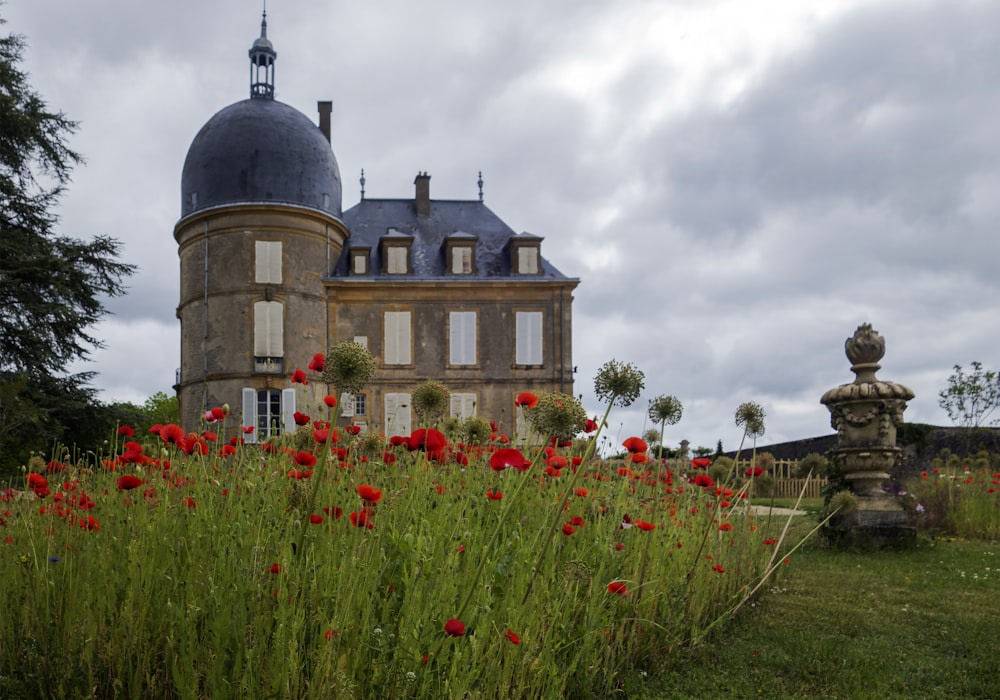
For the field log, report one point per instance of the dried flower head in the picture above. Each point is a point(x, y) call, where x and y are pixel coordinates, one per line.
point(619, 383)
point(750, 416)
point(430, 400)
point(557, 415)
point(476, 430)
point(349, 367)
point(665, 410)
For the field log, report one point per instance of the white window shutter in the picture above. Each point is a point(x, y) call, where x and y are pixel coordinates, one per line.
point(268, 329)
point(462, 331)
point(463, 405)
point(268, 262)
point(397, 337)
point(397, 414)
point(361, 340)
point(288, 410)
point(528, 340)
point(249, 418)
point(347, 405)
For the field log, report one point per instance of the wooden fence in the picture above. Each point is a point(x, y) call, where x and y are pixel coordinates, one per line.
point(786, 482)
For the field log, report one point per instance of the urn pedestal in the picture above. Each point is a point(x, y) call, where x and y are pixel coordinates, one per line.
point(865, 414)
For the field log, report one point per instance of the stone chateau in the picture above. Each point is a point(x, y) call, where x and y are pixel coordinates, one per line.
point(273, 270)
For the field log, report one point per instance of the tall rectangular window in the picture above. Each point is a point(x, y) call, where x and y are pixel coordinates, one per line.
point(396, 346)
point(268, 329)
point(269, 412)
point(268, 262)
point(528, 338)
point(463, 405)
point(462, 337)
point(461, 260)
point(396, 260)
point(397, 414)
point(527, 260)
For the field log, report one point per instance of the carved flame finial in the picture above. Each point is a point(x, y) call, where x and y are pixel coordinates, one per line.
point(864, 349)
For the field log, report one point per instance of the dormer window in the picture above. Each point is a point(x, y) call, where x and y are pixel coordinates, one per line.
point(525, 254)
point(396, 247)
point(359, 261)
point(527, 260)
point(460, 253)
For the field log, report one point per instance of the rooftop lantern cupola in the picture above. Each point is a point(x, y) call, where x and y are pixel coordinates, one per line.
point(262, 55)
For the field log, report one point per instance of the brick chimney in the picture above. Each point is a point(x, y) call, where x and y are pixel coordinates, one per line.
point(423, 195)
point(325, 109)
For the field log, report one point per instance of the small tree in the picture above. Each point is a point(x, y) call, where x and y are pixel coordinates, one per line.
point(970, 397)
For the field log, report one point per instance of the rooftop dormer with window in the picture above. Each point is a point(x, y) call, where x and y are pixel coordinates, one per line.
point(396, 248)
point(460, 253)
point(525, 254)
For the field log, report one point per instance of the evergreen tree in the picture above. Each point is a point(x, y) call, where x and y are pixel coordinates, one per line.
point(52, 287)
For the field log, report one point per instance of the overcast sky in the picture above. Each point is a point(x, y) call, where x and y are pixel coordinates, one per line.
point(738, 185)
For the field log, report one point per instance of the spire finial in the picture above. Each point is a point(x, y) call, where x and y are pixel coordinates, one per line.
point(262, 55)
point(480, 183)
point(362, 184)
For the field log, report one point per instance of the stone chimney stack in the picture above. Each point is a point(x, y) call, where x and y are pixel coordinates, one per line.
point(423, 194)
point(325, 109)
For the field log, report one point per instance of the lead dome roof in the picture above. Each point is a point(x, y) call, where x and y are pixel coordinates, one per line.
point(260, 150)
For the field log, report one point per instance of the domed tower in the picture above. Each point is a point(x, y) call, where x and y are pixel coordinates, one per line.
point(260, 227)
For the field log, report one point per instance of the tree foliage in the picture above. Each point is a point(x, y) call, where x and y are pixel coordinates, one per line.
point(971, 396)
point(52, 287)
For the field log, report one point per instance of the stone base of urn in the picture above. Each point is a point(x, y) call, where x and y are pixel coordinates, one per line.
point(878, 522)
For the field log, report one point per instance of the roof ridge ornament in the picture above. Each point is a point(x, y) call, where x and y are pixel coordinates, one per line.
point(480, 183)
point(262, 56)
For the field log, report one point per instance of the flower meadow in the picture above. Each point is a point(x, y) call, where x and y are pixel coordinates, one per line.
point(957, 500)
point(335, 563)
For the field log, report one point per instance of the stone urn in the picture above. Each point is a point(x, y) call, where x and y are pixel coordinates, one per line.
point(865, 414)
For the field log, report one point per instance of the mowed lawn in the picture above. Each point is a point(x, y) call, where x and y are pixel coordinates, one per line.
point(923, 623)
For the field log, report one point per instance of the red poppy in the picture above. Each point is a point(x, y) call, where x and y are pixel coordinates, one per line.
point(362, 518)
point(304, 459)
point(429, 439)
point(37, 482)
point(638, 458)
point(330, 401)
point(582, 493)
point(643, 525)
point(568, 529)
point(90, 523)
point(218, 413)
point(511, 637)
point(635, 444)
point(701, 462)
point(553, 472)
point(299, 377)
point(353, 430)
point(703, 480)
point(247, 429)
point(494, 496)
point(726, 527)
point(557, 461)
point(508, 457)
point(754, 472)
point(369, 493)
point(718, 569)
point(526, 400)
point(190, 502)
point(172, 434)
point(318, 362)
point(590, 426)
point(617, 587)
point(576, 521)
point(454, 628)
point(301, 418)
point(316, 519)
point(126, 431)
point(276, 568)
point(128, 482)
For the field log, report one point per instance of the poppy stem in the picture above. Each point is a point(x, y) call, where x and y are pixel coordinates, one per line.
point(565, 499)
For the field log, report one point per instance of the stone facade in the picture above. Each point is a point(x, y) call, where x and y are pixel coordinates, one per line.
point(272, 272)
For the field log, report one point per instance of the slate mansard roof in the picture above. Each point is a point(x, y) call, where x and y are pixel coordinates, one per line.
point(371, 220)
point(260, 151)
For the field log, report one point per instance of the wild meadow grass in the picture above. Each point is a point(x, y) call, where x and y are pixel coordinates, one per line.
point(331, 565)
point(957, 500)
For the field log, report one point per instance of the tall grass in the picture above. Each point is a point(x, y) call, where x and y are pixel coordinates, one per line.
point(216, 577)
point(958, 500)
